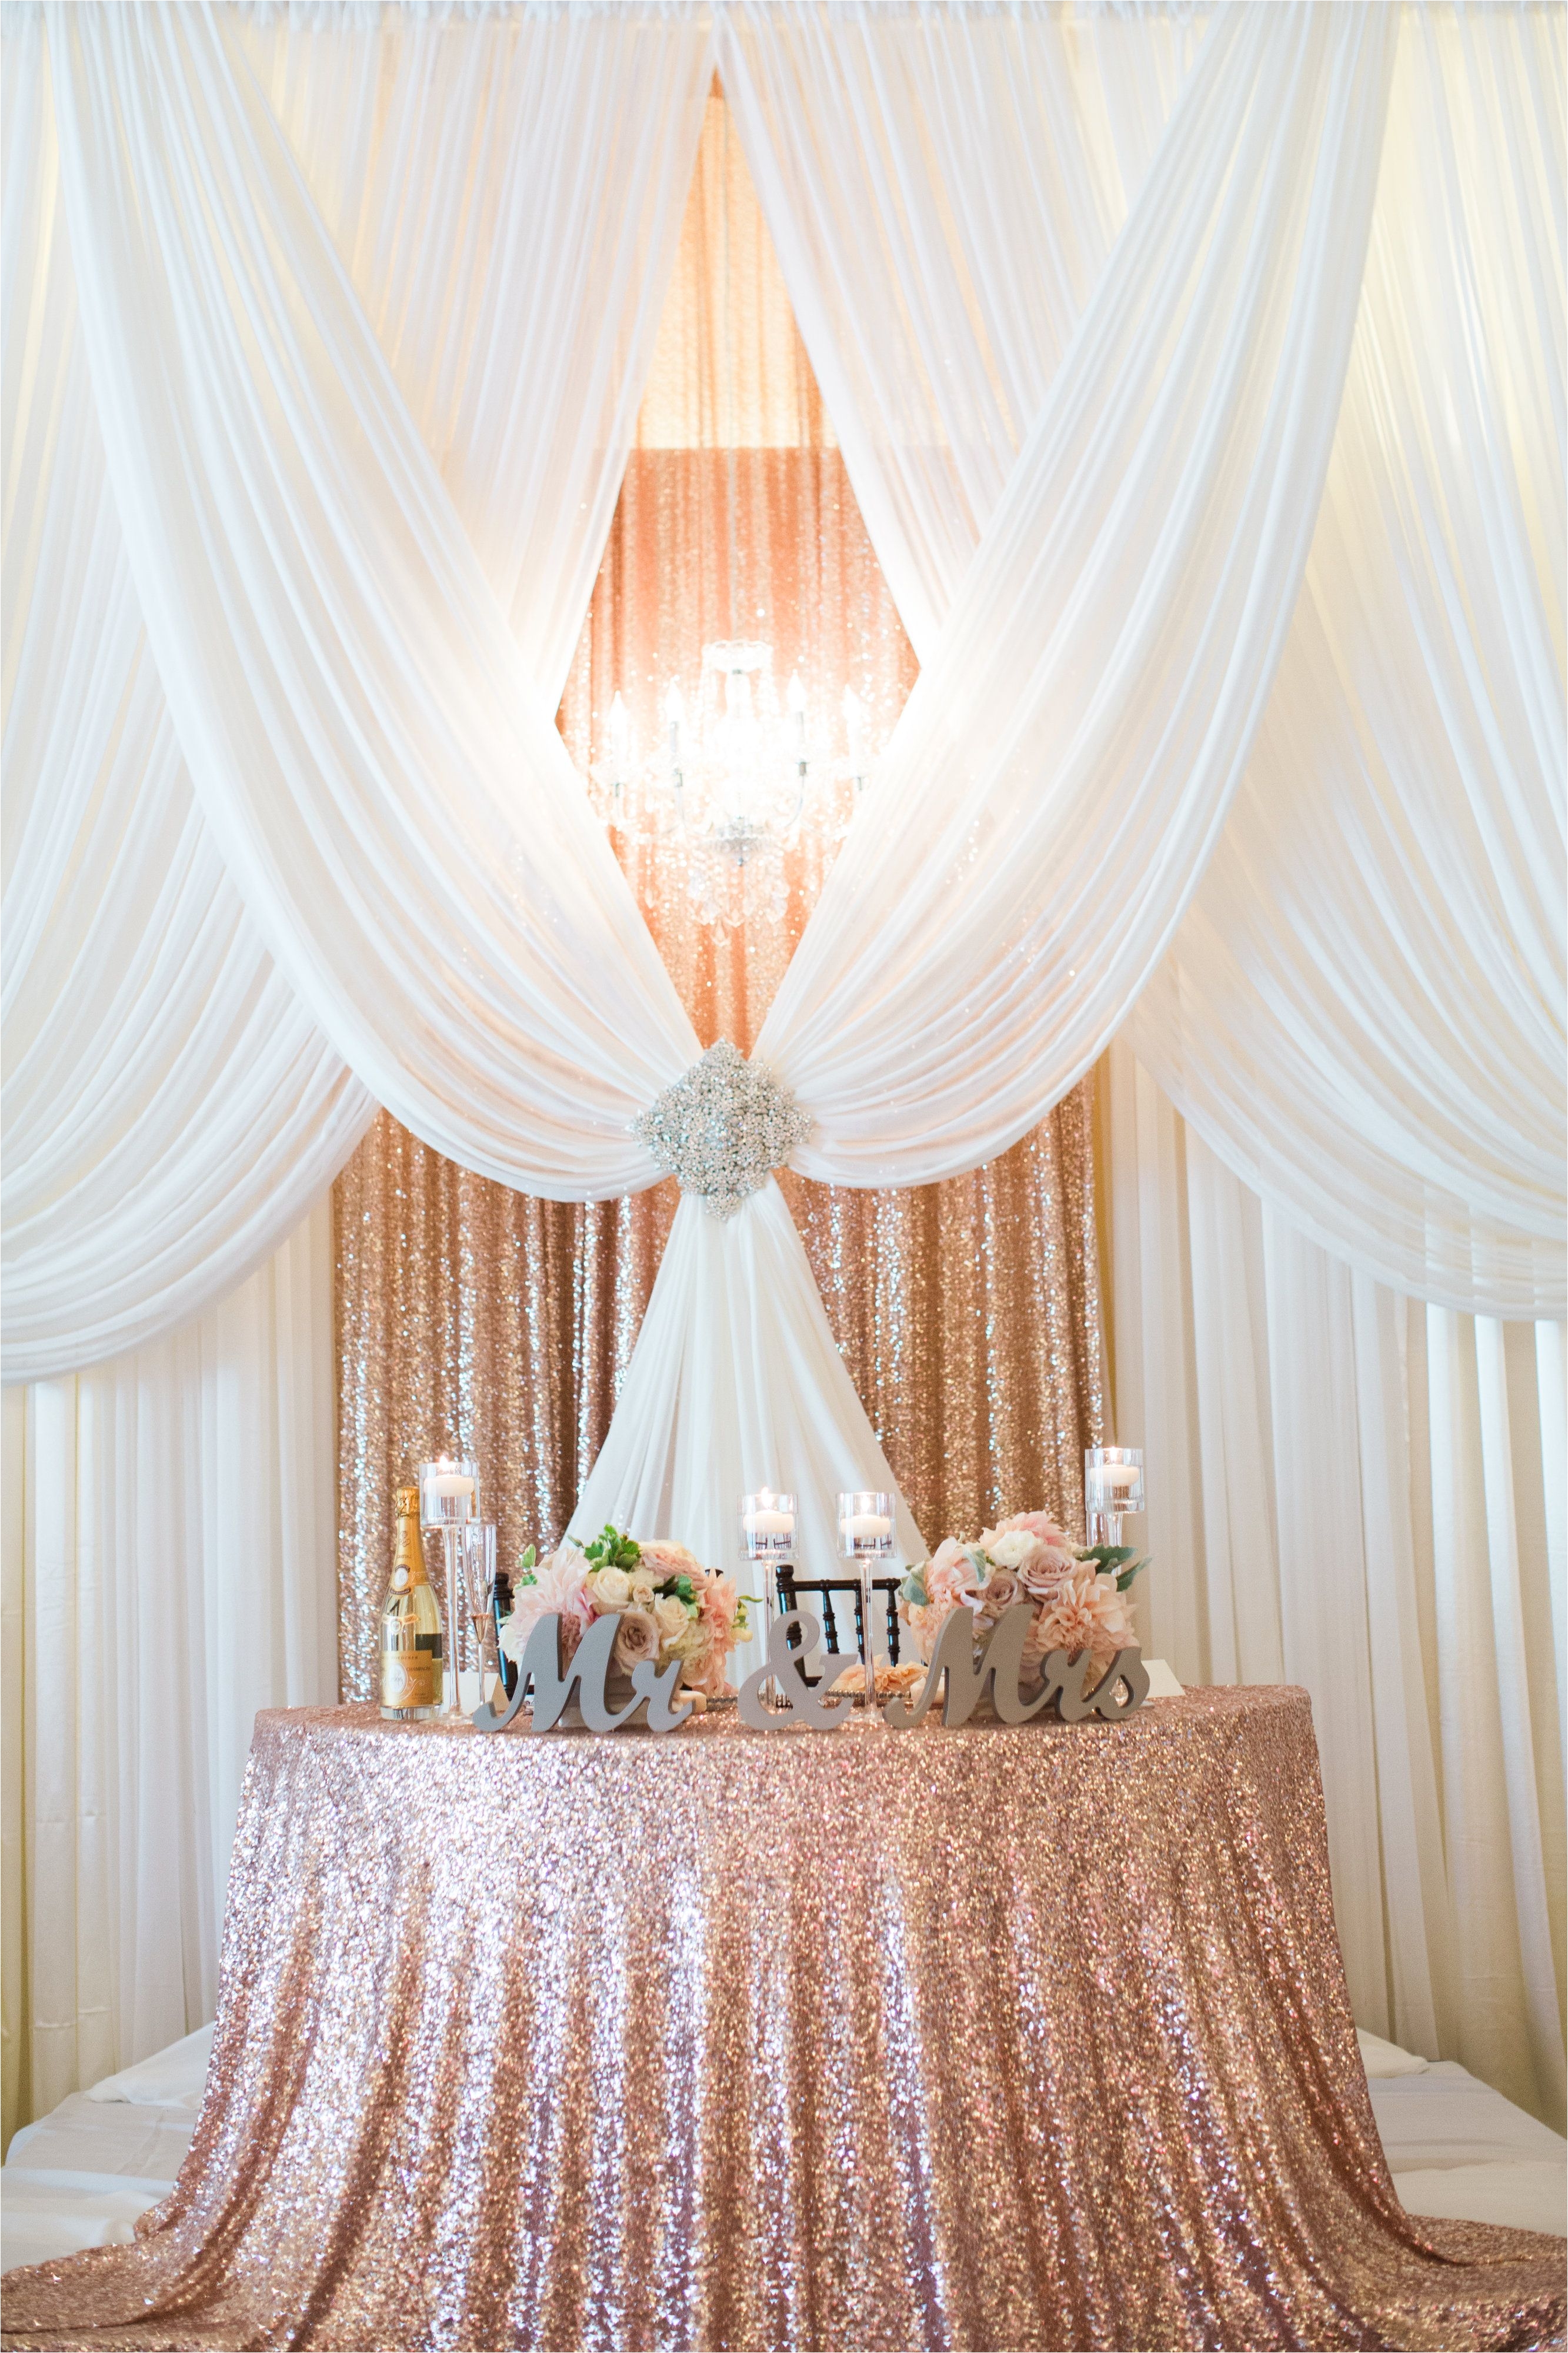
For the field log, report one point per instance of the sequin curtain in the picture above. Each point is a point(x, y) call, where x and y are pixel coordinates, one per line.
point(476, 1319)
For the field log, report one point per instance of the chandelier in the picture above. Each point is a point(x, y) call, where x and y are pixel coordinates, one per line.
point(735, 777)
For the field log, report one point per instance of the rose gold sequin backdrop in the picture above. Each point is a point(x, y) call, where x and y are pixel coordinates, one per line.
point(476, 1319)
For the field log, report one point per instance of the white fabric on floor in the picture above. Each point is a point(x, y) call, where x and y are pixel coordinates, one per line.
point(169, 1531)
point(170, 2079)
point(1457, 2148)
point(79, 2176)
point(1358, 1494)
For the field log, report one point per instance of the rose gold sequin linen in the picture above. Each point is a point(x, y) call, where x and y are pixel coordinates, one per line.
point(974, 2038)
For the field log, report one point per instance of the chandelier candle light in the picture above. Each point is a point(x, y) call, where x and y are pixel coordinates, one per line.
point(733, 780)
point(866, 1538)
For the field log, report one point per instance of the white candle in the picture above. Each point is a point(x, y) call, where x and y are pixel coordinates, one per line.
point(1117, 1474)
point(866, 1524)
point(449, 1483)
point(768, 1524)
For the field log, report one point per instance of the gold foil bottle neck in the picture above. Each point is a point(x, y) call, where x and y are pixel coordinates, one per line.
point(409, 1554)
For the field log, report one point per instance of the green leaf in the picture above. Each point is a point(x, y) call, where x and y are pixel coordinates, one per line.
point(1109, 1556)
point(1127, 1576)
point(913, 1590)
point(529, 1560)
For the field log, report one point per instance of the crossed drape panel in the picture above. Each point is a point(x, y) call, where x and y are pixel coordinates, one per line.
point(1363, 1011)
point(1051, 790)
point(171, 1105)
point(377, 763)
point(1055, 785)
point(170, 1110)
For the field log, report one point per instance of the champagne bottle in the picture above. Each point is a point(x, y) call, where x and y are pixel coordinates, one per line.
point(410, 1625)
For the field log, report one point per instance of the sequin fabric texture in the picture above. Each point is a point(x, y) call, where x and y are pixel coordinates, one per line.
point(986, 2038)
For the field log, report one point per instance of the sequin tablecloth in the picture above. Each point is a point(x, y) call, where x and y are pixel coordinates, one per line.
point(981, 2038)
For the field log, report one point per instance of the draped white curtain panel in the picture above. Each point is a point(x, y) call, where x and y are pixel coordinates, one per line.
point(1364, 1494)
point(1361, 1009)
point(166, 1522)
point(356, 416)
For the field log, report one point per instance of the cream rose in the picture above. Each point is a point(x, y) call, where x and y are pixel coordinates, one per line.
point(636, 1637)
point(1037, 1523)
point(1014, 1549)
point(642, 1594)
point(672, 1616)
point(611, 1590)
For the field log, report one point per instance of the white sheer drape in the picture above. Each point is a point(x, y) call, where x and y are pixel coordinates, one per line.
point(1352, 1491)
point(515, 305)
point(1052, 789)
point(170, 1110)
point(168, 1534)
point(380, 768)
point(1363, 1009)
point(363, 738)
point(1055, 782)
point(1371, 984)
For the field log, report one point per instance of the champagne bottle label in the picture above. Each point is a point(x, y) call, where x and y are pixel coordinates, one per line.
point(412, 1678)
point(408, 1679)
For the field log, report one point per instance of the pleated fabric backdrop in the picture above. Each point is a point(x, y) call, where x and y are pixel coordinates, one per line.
point(167, 1535)
point(1366, 1494)
point(471, 1316)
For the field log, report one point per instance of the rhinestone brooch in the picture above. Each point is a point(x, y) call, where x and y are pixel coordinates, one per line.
point(723, 1128)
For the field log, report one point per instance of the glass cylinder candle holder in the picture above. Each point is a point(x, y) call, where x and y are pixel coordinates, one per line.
point(865, 1517)
point(449, 1491)
point(449, 1499)
point(1112, 1485)
point(476, 1552)
point(767, 1540)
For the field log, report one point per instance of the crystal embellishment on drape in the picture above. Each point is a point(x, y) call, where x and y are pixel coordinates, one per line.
point(723, 1128)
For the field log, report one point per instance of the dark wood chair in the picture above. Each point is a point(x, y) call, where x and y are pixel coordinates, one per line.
point(819, 1594)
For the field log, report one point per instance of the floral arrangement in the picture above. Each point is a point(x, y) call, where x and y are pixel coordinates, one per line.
point(1079, 1595)
point(667, 1605)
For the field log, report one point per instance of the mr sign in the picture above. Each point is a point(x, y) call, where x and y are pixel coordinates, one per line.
point(965, 1676)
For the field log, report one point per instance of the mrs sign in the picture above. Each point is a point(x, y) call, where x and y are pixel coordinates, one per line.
point(966, 1677)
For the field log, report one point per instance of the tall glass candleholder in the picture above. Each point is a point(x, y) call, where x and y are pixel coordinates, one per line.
point(476, 1550)
point(767, 1541)
point(448, 1500)
point(866, 1538)
point(1112, 1485)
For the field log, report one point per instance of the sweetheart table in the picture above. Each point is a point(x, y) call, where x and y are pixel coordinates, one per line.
point(974, 2037)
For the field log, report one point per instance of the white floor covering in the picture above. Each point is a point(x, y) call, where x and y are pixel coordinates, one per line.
point(79, 2176)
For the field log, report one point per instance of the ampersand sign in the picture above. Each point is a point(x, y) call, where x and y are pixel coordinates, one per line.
point(787, 1669)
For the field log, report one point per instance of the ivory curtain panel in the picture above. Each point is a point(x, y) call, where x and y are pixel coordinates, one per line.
point(1359, 1493)
point(364, 733)
point(515, 307)
point(170, 1110)
point(1362, 1012)
point(1363, 1009)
